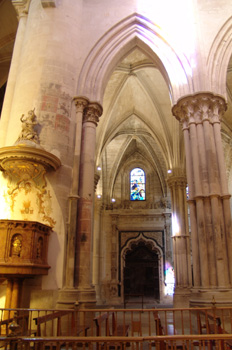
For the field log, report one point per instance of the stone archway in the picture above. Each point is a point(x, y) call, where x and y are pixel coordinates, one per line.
point(142, 268)
point(141, 271)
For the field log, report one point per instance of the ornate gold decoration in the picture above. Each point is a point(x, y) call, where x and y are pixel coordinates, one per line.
point(22, 163)
point(16, 245)
point(25, 165)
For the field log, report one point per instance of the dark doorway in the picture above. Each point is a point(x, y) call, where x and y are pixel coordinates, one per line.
point(141, 271)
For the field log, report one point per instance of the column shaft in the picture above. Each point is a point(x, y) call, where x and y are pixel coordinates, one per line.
point(6, 110)
point(80, 103)
point(83, 273)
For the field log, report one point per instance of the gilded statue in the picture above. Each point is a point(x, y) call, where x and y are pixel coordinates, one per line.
point(16, 246)
point(28, 124)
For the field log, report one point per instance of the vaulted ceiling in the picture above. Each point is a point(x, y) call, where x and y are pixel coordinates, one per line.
point(137, 116)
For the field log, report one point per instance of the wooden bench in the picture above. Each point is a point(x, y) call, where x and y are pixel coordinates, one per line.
point(211, 324)
point(55, 316)
point(208, 322)
point(106, 325)
point(168, 330)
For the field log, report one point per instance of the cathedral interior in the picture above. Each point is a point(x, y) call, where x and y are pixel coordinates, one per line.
point(115, 152)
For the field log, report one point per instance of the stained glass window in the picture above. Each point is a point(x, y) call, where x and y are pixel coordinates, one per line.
point(137, 185)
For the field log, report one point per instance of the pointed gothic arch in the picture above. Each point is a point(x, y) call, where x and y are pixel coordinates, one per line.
point(151, 248)
point(218, 59)
point(134, 31)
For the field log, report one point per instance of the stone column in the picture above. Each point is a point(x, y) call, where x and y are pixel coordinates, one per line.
point(181, 240)
point(80, 103)
point(210, 216)
point(83, 270)
point(97, 246)
point(68, 294)
point(22, 12)
point(114, 261)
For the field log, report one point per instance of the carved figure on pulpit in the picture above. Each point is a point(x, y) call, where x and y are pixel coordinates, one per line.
point(28, 125)
point(16, 245)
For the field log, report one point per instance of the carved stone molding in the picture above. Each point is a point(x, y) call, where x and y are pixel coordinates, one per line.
point(199, 108)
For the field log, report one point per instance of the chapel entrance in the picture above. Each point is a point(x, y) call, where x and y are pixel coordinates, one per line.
point(141, 272)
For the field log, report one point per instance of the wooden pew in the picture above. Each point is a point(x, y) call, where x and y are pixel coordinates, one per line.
point(170, 330)
point(106, 323)
point(208, 322)
point(54, 316)
point(211, 324)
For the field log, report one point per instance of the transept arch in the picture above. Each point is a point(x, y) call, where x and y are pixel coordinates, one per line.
point(134, 31)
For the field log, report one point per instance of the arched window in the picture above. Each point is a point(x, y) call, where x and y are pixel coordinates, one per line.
point(137, 185)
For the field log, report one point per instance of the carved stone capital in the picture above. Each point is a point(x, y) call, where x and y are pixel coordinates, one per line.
point(177, 181)
point(92, 113)
point(177, 178)
point(81, 103)
point(199, 108)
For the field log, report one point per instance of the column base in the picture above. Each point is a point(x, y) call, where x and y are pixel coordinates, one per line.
point(205, 297)
point(86, 298)
point(181, 297)
point(67, 298)
point(82, 298)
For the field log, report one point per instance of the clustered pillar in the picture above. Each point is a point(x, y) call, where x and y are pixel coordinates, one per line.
point(83, 263)
point(210, 215)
